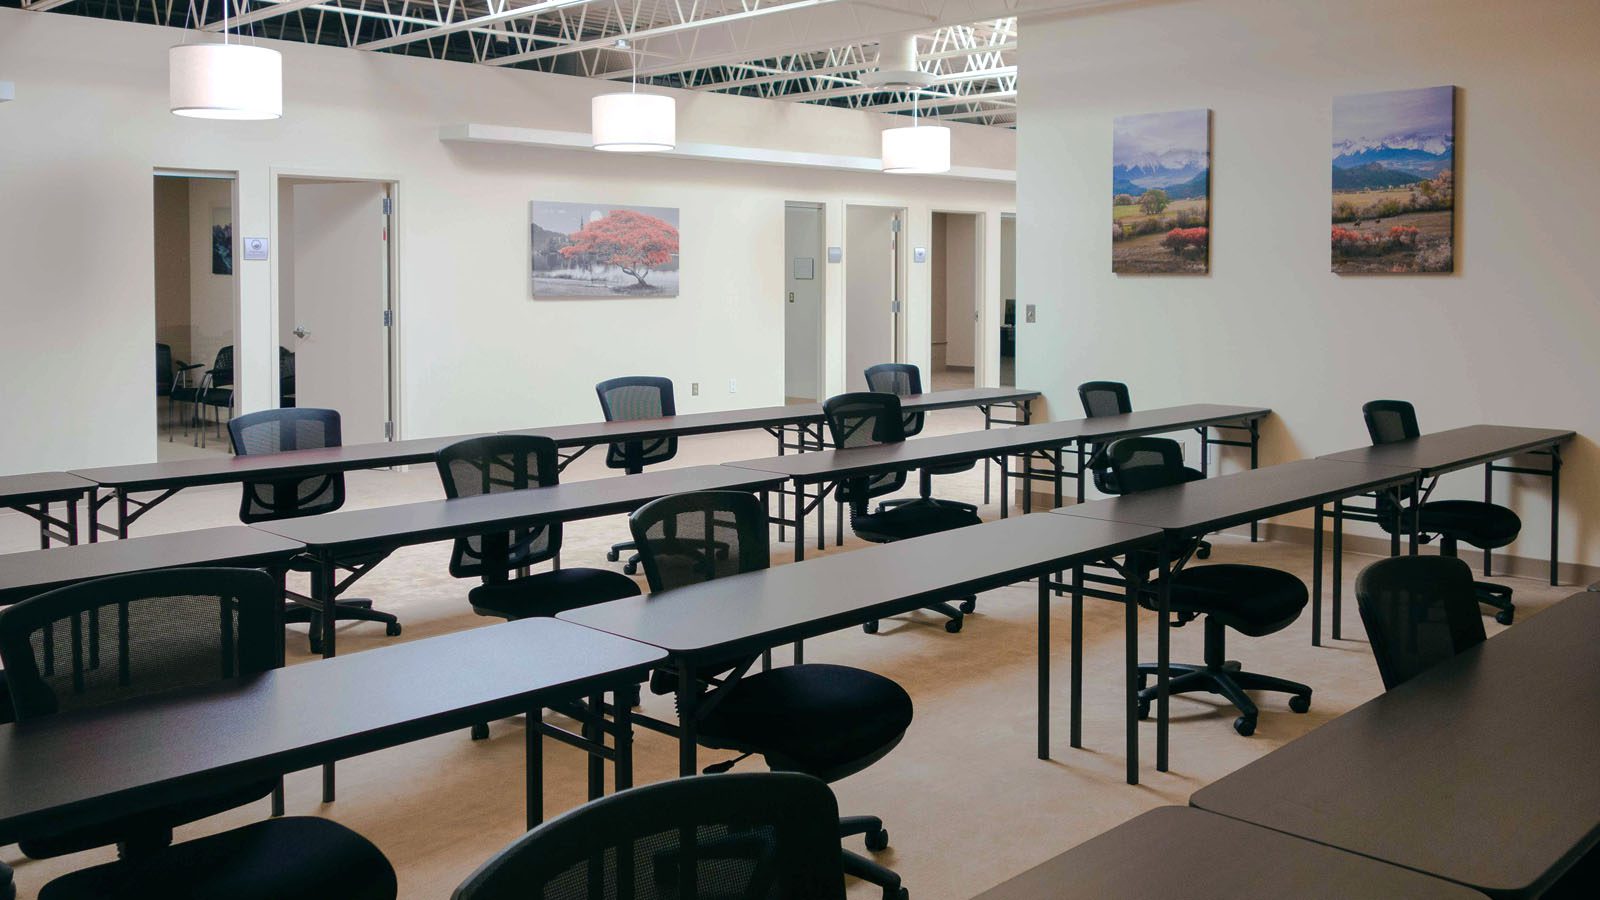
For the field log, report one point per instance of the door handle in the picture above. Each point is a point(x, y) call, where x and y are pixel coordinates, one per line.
point(301, 333)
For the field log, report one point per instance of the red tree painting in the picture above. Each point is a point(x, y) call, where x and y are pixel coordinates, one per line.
point(635, 242)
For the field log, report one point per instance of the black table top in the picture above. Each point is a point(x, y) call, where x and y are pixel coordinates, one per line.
point(1482, 770)
point(35, 571)
point(1149, 421)
point(727, 617)
point(80, 768)
point(1173, 852)
point(432, 520)
point(1458, 448)
point(829, 465)
point(1225, 500)
point(40, 487)
point(685, 424)
point(234, 469)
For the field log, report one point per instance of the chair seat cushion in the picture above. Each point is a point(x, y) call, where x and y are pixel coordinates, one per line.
point(302, 857)
point(912, 520)
point(1252, 600)
point(950, 468)
point(824, 720)
point(1483, 525)
point(548, 593)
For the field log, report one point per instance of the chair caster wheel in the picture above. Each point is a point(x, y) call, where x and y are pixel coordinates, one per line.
point(630, 569)
point(1203, 553)
point(969, 605)
point(1144, 709)
point(480, 731)
point(870, 627)
point(393, 630)
point(1300, 704)
point(878, 841)
point(1245, 725)
point(896, 894)
point(613, 555)
point(953, 626)
point(1505, 616)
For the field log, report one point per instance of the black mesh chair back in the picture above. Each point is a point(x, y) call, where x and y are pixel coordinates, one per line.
point(165, 377)
point(1104, 398)
point(1146, 463)
point(902, 380)
point(862, 420)
point(689, 538)
point(638, 397)
point(744, 836)
point(222, 368)
point(1389, 421)
point(279, 431)
point(1418, 611)
point(129, 636)
point(285, 376)
point(492, 465)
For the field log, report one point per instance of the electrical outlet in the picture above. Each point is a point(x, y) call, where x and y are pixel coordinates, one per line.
point(1029, 316)
point(733, 385)
point(694, 388)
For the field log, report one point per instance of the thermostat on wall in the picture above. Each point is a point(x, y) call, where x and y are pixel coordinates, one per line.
point(255, 248)
point(919, 254)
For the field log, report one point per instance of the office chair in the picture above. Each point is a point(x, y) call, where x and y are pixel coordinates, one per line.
point(282, 430)
point(285, 377)
point(1418, 611)
point(8, 887)
point(822, 720)
point(1487, 526)
point(758, 836)
point(864, 419)
point(1111, 398)
point(636, 397)
point(902, 380)
point(120, 639)
point(216, 390)
point(1251, 600)
point(172, 382)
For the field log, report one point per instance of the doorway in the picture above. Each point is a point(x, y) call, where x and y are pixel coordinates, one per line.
point(195, 308)
point(874, 289)
point(956, 283)
point(1008, 300)
point(336, 303)
point(803, 238)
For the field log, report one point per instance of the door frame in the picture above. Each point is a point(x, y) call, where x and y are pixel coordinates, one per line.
point(276, 176)
point(820, 342)
point(981, 301)
point(901, 271)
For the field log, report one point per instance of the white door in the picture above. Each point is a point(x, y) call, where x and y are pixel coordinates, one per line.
point(870, 291)
point(803, 298)
point(341, 295)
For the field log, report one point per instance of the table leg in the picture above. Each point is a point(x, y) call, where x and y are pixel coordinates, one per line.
point(1205, 458)
point(838, 519)
point(122, 514)
point(1005, 486)
point(1316, 576)
point(623, 721)
point(1338, 569)
point(1076, 723)
point(277, 800)
point(1081, 460)
point(1488, 497)
point(94, 515)
point(1044, 667)
point(687, 697)
point(1130, 627)
point(782, 497)
point(322, 595)
point(1163, 647)
point(1255, 460)
point(1027, 483)
point(44, 525)
point(799, 521)
point(533, 753)
point(822, 517)
point(1416, 515)
point(72, 522)
point(1555, 515)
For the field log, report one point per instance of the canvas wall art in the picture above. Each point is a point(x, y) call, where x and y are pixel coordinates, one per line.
point(603, 250)
point(1394, 181)
point(1161, 192)
point(221, 241)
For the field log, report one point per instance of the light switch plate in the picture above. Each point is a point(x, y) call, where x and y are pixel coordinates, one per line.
point(256, 247)
point(919, 254)
point(1028, 316)
point(835, 254)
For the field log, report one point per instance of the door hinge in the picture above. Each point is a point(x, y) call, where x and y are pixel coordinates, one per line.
point(388, 431)
point(894, 306)
point(388, 207)
point(894, 225)
point(388, 317)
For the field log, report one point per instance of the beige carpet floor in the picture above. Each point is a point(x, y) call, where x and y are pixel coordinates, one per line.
point(966, 802)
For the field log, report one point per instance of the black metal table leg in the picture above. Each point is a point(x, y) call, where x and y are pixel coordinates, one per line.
point(1075, 726)
point(1044, 667)
point(322, 594)
point(687, 697)
point(1488, 497)
point(1416, 515)
point(1316, 576)
point(594, 730)
point(1338, 569)
point(1555, 515)
point(622, 776)
point(533, 752)
point(1255, 459)
point(1163, 648)
point(122, 514)
point(1130, 672)
point(1081, 460)
point(799, 521)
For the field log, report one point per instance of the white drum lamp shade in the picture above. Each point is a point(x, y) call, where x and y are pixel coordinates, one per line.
point(916, 150)
point(225, 81)
point(634, 123)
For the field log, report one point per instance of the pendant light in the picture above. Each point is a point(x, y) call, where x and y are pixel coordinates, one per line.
point(631, 122)
point(225, 81)
point(916, 149)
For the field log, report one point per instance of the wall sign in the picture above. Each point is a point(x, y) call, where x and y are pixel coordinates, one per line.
point(255, 248)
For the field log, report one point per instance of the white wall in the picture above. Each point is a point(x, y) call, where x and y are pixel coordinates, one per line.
point(961, 274)
point(1512, 337)
point(210, 295)
point(869, 262)
point(80, 325)
point(939, 289)
point(802, 325)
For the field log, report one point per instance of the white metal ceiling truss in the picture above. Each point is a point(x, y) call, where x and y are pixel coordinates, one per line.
point(808, 51)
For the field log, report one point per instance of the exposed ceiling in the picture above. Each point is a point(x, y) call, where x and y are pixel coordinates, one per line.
point(810, 51)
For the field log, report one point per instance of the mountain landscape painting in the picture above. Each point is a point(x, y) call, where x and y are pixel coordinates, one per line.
point(1161, 192)
point(1394, 181)
point(603, 250)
